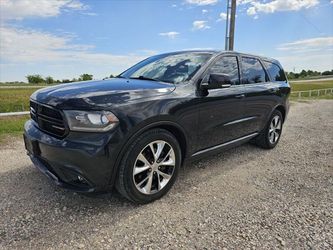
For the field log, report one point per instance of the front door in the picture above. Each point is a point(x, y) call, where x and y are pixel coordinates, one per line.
point(221, 109)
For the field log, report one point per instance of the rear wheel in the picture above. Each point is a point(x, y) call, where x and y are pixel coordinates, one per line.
point(270, 136)
point(150, 166)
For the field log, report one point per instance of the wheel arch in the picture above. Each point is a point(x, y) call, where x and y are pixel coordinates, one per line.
point(172, 127)
point(179, 135)
point(278, 107)
point(282, 109)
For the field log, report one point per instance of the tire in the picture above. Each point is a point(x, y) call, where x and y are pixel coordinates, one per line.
point(272, 132)
point(150, 166)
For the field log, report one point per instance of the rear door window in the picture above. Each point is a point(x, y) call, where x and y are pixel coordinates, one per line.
point(252, 71)
point(275, 72)
point(226, 65)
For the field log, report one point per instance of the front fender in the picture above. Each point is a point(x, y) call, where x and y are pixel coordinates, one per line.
point(154, 122)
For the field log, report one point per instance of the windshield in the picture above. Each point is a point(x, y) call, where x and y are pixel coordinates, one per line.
point(174, 68)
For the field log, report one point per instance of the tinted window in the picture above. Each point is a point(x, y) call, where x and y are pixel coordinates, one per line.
point(226, 65)
point(253, 72)
point(275, 72)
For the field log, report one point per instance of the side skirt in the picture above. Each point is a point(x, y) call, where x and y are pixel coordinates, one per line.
point(225, 145)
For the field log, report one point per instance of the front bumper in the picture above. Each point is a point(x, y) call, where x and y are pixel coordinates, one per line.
point(82, 162)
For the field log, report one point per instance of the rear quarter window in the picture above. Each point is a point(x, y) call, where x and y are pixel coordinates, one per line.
point(276, 73)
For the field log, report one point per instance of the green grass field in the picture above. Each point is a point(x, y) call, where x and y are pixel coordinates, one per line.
point(41, 85)
point(304, 86)
point(11, 126)
point(13, 100)
point(301, 86)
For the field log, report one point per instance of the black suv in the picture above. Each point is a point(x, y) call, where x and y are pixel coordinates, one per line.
point(136, 130)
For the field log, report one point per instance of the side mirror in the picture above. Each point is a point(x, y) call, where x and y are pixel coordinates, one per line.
point(216, 81)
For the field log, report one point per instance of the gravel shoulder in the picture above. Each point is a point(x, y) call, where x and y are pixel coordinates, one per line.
point(242, 198)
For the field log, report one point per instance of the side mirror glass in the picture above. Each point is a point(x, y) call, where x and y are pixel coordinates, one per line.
point(216, 81)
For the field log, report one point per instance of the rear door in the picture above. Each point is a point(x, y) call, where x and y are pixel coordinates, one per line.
point(259, 94)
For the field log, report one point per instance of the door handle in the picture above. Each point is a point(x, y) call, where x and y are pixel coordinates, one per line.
point(240, 96)
point(226, 85)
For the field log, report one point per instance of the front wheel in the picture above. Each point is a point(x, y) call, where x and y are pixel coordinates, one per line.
point(149, 167)
point(271, 135)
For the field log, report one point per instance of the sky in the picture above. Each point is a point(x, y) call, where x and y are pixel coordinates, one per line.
point(66, 38)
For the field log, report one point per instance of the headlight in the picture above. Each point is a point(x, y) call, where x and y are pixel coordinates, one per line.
point(90, 121)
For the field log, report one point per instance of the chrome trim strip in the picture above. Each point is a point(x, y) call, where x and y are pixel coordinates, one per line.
point(240, 120)
point(57, 127)
point(225, 144)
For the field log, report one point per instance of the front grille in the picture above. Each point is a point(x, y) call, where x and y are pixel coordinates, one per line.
point(48, 119)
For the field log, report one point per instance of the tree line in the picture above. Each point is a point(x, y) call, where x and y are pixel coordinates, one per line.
point(308, 74)
point(38, 79)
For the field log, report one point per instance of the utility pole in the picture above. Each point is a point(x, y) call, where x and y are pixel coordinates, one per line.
point(227, 26)
point(230, 26)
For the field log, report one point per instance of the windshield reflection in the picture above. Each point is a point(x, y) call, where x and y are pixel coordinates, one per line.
point(171, 68)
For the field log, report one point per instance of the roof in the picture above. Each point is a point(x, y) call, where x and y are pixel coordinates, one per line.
point(220, 52)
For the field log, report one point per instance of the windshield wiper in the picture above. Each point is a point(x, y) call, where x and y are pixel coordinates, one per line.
point(145, 78)
point(150, 79)
point(119, 76)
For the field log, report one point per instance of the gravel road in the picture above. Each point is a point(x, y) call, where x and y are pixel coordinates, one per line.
point(243, 198)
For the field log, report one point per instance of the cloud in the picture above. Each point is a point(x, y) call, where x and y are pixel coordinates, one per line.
point(324, 61)
point(90, 13)
point(20, 9)
point(19, 45)
point(201, 2)
point(200, 25)
point(240, 2)
point(147, 52)
point(26, 49)
point(312, 44)
point(204, 11)
point(223, 16)
point(171, 34)
point(31, 46)
point(302, 54)
point(251, 11)
point(260, 6)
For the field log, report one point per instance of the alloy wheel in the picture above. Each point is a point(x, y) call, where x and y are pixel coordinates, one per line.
point(154, 167)
point(275, 129)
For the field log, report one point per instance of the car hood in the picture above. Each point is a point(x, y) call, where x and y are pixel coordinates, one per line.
point(100, 94)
